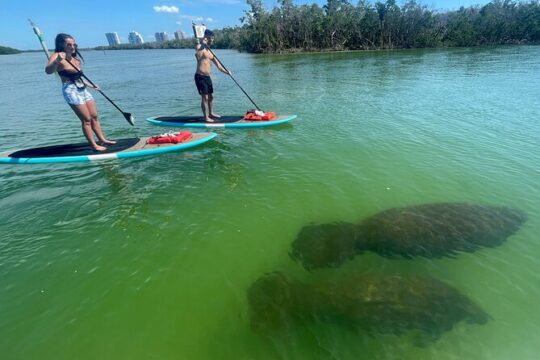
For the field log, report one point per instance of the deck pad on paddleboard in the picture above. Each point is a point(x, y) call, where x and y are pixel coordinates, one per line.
point(74, 149)
point(229, 121)
point(124, 148)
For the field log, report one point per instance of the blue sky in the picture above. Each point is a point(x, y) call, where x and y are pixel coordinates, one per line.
point(89, 20)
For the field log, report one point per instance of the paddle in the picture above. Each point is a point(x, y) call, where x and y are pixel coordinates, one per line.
point(232, 77)
point(130, 119)
point(40, 37)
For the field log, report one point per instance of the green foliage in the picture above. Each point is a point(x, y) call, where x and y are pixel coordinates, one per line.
point(339, 25)
point(461, 30)
point(4, 50)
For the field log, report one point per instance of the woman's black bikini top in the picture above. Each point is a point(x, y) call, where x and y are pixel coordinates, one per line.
point(71, 75)
point(74, 78)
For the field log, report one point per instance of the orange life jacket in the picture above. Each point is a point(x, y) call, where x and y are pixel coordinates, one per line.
point(251, 116)
point(172, 138)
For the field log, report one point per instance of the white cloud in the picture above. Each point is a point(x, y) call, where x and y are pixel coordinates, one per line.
point(191, 17)
point(166, 9)
point(223, 2)
point(179, 22)
point(195, 18)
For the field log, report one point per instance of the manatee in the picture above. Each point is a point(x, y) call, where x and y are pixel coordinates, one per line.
point(377, 304)
point(429, 230)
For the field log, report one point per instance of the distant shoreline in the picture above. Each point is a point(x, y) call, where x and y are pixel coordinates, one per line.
point(300, 51)
point(4, 50)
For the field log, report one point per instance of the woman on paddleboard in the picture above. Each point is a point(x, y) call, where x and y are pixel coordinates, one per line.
point(74, 88)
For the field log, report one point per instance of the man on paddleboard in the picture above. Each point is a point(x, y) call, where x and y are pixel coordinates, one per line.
point(205, 58)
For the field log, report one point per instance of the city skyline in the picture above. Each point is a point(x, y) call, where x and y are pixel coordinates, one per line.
point(135, 38)
point(180, 35)
point(93, 19)
point(113, 39)
point(161, 36)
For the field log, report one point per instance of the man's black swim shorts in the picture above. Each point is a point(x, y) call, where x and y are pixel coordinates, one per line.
point(204, 84)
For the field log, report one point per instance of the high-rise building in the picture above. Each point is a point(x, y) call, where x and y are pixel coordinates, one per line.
point(113, 38)
point(179, 35)
point(161, 37)
point(135, 38)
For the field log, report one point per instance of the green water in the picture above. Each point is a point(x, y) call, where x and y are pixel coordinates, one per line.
point(150, 258)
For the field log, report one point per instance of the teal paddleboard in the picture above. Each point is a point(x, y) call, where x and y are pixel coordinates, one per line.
point(82, 152)
point(234, 121)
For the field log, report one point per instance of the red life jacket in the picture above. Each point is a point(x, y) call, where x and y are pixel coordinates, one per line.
point(172, 138)
point(251, 116)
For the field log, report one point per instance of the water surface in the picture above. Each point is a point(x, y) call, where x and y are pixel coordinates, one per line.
point(152, 257)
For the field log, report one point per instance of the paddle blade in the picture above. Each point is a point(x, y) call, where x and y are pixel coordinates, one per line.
point(130, 118)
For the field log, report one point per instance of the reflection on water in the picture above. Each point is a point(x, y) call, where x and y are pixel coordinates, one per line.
point(117, 180)
point(223, 161)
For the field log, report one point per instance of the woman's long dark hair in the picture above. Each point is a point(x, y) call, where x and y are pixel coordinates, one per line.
point(60, 45)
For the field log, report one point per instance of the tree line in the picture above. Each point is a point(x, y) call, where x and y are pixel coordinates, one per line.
point(340, 25)
point(4, 50)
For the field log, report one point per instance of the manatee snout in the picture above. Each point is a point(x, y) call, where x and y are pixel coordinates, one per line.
point(270, 300)
point(324, 245)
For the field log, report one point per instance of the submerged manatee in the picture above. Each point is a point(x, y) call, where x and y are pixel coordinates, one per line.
point(375, 303)
point(429, 230)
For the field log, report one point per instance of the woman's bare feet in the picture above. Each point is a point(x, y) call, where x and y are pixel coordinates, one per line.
point(99, 148)
point(215, 116)
point(108, 142)
point(209, 120)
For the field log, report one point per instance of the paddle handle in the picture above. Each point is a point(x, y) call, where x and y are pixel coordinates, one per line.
point(232, 77)
point(40, 38)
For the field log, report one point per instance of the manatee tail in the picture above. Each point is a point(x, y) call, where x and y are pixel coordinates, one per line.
point(520, 215)
point(476, 315)
point(511, 217)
